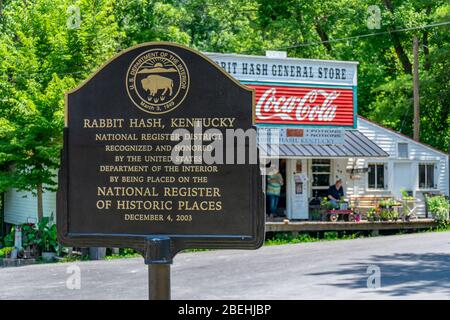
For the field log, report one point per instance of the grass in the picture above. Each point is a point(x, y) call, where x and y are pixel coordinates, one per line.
point(122, 256)
point(288, 238)
point(280, 238)
point(73, 258)
point(442, 228)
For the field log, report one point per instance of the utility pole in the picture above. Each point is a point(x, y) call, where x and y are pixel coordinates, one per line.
point(416, 89)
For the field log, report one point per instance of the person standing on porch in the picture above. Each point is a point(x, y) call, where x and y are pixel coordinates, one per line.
point(274, 183)
point(335, 193)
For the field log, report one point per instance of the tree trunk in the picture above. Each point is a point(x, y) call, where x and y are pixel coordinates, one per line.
point(402, 56)
point(323, 36)
point(40, 207)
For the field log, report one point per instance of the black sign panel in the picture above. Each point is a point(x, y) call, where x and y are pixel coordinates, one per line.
point(153, 148)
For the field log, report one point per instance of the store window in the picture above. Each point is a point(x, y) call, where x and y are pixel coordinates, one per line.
point(426, 176)
point(403, 150)
point(376, 176)
point(321, 177)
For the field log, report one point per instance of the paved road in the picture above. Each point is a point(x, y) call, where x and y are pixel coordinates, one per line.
point(412, 266)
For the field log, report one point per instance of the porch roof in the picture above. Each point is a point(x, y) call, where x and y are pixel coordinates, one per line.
point(355, 144)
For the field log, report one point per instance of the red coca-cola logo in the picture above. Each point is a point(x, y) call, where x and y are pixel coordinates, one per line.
point(304, 105)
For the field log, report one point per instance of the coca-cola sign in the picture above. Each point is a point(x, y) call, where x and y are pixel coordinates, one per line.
point(296, 105)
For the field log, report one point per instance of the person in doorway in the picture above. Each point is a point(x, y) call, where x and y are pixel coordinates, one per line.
point(274, 183)
point(335, 193)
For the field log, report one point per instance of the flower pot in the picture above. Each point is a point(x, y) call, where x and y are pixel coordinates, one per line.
point(48, 256)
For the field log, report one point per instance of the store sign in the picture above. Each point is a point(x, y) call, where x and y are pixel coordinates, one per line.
point(287, 70)
point(133, 165)
point(310, 106)
point(309, 136)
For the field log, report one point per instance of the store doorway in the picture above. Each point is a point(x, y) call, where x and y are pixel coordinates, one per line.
point(321, 173)
point(280, 211)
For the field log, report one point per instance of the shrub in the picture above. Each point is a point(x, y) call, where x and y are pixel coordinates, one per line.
point(5, 251)
point(331, 235)
point(8, 240)
point(372, 215)
point(385, 215)
point(439, 208)
point(46, 236)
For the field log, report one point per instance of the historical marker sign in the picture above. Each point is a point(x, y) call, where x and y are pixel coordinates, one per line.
point(148, 154)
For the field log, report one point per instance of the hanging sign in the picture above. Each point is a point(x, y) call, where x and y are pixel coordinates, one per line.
point(308, 136)
point(304, 106)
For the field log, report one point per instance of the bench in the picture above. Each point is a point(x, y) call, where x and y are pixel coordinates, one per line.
point(364, 203)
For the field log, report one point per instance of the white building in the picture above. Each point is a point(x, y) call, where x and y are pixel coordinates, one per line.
point(409, 165)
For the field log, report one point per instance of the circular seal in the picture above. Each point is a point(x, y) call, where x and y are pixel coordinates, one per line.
point(157, 81)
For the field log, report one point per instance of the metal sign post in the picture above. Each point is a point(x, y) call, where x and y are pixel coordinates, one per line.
point(158, 258)
point(159, 281)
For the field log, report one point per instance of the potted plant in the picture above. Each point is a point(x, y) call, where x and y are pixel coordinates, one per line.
point(406, 196)
point(389, 203)
point(46, 239)
point(385, 215)
point(326, 204)
point(315, 214)
point(29, 240)
point(393, 215)
point(372, 215)
point(383, 203)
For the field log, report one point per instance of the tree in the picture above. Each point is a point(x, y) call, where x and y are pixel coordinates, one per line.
point(42, 57)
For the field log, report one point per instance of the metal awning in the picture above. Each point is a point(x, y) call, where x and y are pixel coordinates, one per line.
point(355, 144)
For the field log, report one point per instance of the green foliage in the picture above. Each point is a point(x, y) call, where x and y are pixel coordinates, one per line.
point(325, 203)
point(29, 235)
point(124, 253)
point(388, 203)
point(384, 215)
point(73, 258)
point(439, 207)
point(41, 59)
point(389, 215)
point(8, 240)
point(43, 235)
point(331, 235)
point(372, 215)
point(405, 195)
point(46, 236)
point(280, 238)
point(287, 238)
point(5, 251)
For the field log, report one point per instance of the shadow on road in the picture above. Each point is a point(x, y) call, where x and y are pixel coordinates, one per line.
point(401, 274)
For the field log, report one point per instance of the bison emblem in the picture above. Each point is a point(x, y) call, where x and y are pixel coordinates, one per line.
point(154, 82)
